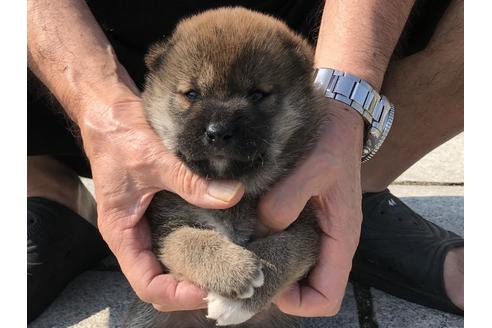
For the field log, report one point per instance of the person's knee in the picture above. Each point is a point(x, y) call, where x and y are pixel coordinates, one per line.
point(51, 179)
point(47, 176)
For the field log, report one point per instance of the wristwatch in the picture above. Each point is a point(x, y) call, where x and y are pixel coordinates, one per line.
point(376, 110)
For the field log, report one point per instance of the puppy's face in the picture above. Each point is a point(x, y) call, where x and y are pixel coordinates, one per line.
point(229, 91)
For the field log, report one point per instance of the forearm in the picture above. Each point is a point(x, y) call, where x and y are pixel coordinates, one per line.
point(359, 36)
point(70, 54)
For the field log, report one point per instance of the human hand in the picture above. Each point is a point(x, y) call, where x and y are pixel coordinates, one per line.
point(129, 165)
point(330, 175)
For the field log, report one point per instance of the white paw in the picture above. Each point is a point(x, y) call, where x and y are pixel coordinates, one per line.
point(226, 311)
point(259, 279)
point(257, 282)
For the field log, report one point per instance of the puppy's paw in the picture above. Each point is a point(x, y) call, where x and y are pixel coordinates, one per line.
point(257, 281)
point(239, 277)
point(227, 311)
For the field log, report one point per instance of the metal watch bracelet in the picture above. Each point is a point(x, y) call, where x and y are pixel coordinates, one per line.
point(376, 110)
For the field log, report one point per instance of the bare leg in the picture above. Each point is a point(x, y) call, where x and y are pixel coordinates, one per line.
point(48, 178)
point(427, 89)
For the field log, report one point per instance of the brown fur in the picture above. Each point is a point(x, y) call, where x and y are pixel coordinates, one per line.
point(224, 54)
point(193, 254)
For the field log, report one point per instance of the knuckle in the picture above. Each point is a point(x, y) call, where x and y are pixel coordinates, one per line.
point(185, 181)
point(160, 308)
point(143, 296)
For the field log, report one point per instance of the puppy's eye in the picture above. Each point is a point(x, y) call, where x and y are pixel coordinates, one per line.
point(257, 95)
point(192, 95)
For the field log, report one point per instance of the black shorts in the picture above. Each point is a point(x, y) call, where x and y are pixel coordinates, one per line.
point(132, 26)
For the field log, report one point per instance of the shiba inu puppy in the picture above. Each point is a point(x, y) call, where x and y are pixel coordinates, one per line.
point(231, 93)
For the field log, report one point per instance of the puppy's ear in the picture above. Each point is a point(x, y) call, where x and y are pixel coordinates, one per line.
point(156, 54)
point(295, 44)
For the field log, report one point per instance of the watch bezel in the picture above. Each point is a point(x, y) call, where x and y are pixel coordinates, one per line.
point(377, 141)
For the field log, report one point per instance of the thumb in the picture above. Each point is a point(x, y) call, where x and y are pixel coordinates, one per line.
point(193, 188)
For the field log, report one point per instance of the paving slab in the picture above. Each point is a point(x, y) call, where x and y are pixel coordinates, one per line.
point(101, 299)
point(93, 299)
point(397, 313)
point(443, 205)
point(443, 165)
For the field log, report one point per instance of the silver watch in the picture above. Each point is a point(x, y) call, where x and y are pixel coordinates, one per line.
point(376, 110)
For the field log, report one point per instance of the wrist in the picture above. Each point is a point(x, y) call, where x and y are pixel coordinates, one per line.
point(360, 68)
point(70, 54)
point(112, 118)
point(337, 53)
point(358, 37)
point(375, 109)
point(84, 95)
point(349, 123)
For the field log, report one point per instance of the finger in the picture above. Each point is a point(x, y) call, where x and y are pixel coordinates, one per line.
point(132, 248)
point(327, 282)
point(305, 301)
point(199, 191)
point(284, 202)
point(183, 295)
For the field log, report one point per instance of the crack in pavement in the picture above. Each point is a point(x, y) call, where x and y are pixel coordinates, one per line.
point(365, 309)
point(428, 183)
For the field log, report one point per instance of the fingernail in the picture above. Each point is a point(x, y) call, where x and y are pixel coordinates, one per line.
point(225, 191)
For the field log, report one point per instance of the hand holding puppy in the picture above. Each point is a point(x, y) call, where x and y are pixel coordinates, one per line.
point(330, 177)
point(129, 164)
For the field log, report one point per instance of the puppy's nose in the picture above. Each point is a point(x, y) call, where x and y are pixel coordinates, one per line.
point(218, 134)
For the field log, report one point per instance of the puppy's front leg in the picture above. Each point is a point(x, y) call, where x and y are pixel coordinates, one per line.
point(287, 256)
point(212, 261)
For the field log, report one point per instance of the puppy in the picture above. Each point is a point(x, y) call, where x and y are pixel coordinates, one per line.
point(231, 93)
